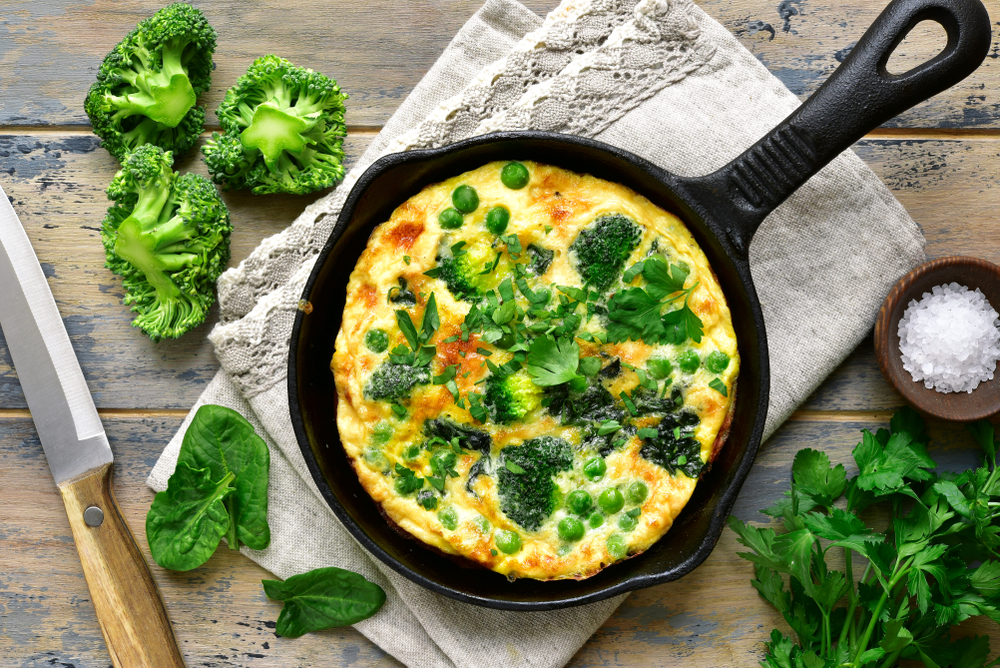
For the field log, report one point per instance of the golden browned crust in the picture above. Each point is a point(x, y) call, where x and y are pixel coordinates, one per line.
point(550, 212)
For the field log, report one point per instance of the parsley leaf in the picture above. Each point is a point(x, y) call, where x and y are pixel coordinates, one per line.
point(553, 361)
point(663, 281)
point(634, 314)
point(937, 564)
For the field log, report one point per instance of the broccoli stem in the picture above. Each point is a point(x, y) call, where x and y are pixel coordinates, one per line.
point(144, 241)
point(165, 97)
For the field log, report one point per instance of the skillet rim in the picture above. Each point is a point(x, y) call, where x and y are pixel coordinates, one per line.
point(691, 208)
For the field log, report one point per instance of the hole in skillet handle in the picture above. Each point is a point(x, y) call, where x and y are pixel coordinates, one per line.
point(858, 97)
point(926, 40)
point(971, 272)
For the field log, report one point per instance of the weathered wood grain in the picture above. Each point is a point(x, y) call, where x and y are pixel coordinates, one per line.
point(222, 618)
point(378, 50)
point(803, 41)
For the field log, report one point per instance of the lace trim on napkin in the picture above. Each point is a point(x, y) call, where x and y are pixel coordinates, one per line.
point(653, 46)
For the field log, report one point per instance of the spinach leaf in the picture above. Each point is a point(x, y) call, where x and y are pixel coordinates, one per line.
point(221, 440)
point(323, 598)
point(186, 522)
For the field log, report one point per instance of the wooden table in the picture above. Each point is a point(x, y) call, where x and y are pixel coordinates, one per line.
point(941, 160)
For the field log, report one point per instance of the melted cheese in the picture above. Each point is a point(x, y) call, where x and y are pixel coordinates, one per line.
point(550, 212)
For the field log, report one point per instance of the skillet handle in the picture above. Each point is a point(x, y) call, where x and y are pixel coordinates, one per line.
point(857, 98)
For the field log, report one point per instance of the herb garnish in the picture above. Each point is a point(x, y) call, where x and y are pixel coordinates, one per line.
point(553, 361)
point(935, 565)
point(635, 313)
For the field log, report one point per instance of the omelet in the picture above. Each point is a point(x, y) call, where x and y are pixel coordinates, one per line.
point(534, 369)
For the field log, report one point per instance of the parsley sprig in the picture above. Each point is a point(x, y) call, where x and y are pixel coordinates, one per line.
point(934, 565)
point(636, 313)
point(554, 361)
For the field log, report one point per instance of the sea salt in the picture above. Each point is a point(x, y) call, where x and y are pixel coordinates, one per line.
point(950, 339)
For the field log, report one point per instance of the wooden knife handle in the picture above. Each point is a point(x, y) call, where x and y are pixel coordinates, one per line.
point(132, 617)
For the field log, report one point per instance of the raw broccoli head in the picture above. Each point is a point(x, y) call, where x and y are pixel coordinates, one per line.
point(601, 250)
point(393, 380)
point(512, 397)
point(528, 498)
point(147, 86)
point(284, 129)
point(167, 236)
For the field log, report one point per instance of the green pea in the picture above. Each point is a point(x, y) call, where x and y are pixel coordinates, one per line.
point(595, 468)
point(617, 547)
point(627, 522)
point(482, 524)
point(448, 518)
point(580, 502)
point(717, 361)
point(570, 529)
point(659, 368)
point(688, 361)
point(611, 501)
point(497, 219)
point(564, 550)
point(465, 199)
point(595, 520)
point(383, 432)
point(450, 219)
point(374, 457)
point(508, 541)
point(514, 175)
point(377, 340)
point(637, 492)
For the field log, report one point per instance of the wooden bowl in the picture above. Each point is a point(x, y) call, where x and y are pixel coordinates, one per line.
point(957, 406)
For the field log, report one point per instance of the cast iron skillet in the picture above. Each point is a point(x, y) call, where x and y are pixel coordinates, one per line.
point(722, 210)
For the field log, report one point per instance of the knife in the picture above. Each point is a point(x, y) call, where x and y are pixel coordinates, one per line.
point(132, 617)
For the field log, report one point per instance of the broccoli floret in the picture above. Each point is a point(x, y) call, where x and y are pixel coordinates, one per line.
point(147, 86)
point(393, 380)
point(469, 272)
point(512, 397)
point(675, 447)
point(284, 130)
point(601, 250)
point(167, 236)
point(539, 259)
point(528, 498)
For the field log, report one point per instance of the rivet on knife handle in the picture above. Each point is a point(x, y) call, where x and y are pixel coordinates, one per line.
point(133, 619)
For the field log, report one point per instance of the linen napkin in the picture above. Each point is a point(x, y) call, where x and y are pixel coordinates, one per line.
point(657, 77)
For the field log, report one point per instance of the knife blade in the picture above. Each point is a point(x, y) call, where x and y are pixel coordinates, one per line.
point(128, 605)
